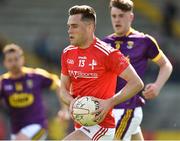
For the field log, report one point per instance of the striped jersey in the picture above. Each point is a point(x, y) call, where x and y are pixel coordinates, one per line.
point(93, 71)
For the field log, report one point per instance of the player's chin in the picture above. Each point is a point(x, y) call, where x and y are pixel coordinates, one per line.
point(72, 42)
point(118, 31)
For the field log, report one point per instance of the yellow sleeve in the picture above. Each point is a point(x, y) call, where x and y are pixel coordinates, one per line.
point(53, 77)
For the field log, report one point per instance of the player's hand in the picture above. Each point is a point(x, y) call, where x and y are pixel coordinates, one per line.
point(71, 106)
point(64, 114)
point(104, 107)
point(151, 91)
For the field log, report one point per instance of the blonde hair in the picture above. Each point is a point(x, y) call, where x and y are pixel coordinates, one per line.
point(12, 48)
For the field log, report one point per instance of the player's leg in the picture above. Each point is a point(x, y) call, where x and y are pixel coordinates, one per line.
point(77, 135)
point(95, 133)
point(19, 136)
point(31, 132)
point(138, 136)
point(128, 123)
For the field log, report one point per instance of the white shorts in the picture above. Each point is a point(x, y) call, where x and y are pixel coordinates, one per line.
point(32, 131)
point(127, 122)
point(97, 132)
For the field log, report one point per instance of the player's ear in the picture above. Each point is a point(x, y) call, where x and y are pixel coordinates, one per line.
point(4, 63)
point(23, 59)
point(132, 16)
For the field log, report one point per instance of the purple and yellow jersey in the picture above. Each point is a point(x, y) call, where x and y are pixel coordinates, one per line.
point(139, 48)
point(23, 96)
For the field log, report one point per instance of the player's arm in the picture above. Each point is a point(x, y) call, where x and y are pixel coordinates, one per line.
point(118, 64)
point(65, 89)
point(66, 96)
point(133, 86)
point(156, 55)
point(165, 69)
point(50, 81)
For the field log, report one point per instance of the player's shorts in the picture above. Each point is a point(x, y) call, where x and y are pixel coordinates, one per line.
point(33, 132)
point(127, 122)
point(97, 132)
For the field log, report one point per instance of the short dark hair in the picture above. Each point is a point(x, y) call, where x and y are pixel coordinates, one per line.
point(9, 48)
point(88, 13)
point(124, 5)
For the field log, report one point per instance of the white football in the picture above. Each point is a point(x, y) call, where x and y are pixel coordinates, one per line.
point(82, 110)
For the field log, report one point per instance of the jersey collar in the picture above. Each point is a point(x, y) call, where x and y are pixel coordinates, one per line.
point(131, 30)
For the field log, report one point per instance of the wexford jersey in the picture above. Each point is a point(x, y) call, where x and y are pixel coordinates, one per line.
point(138, 48)
point(23, 96)
point(93, 71)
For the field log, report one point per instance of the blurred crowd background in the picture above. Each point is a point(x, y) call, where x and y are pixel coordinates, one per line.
point(39, 27)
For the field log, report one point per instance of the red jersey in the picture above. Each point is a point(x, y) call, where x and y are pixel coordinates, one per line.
point(93, 72)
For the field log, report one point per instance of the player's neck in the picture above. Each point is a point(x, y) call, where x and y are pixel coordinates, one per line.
point(125, 33)
point(17, 74)
point(87, 43)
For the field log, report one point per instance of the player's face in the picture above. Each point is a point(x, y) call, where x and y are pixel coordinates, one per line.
point(121, 20)
point(77, 30)
point(13, 61)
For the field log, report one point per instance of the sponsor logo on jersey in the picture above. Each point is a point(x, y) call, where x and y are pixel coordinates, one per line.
point(79, 74)
point(21, 100)
point(70, 61)
point(82, 57)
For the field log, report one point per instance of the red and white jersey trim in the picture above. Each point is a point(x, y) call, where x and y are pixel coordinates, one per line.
point(69, 48)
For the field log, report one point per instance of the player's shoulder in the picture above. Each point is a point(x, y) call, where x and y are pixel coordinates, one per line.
point(42, 72)
point(150, 38)
point(110, 37)
point(104, 47)
point(142, 35)
point(136, 34)
point(69, 48)
point(4, 76)
point(35, 71)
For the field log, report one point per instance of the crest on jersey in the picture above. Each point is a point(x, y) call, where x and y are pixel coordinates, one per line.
point(18, 86)
point(130, 44)
point(93, 64)
point(29, 84)
point(118, 44)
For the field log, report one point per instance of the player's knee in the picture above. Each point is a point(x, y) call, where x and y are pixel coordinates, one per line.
point(21, 136)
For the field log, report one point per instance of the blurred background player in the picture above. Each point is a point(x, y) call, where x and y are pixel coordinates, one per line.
point(90, 68)
point(139, 48)
point(21, 90)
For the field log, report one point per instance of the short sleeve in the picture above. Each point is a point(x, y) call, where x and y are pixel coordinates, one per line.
point(117, 62)
point(153, 50)
point(48, 80)
point(64, 69)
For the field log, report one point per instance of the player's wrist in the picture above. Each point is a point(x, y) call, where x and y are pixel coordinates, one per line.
point(112, 102)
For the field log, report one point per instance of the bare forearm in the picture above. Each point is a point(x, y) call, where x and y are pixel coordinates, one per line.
point(164, 73)
point(66, 97)
point(127, 92)
point(61, 102)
